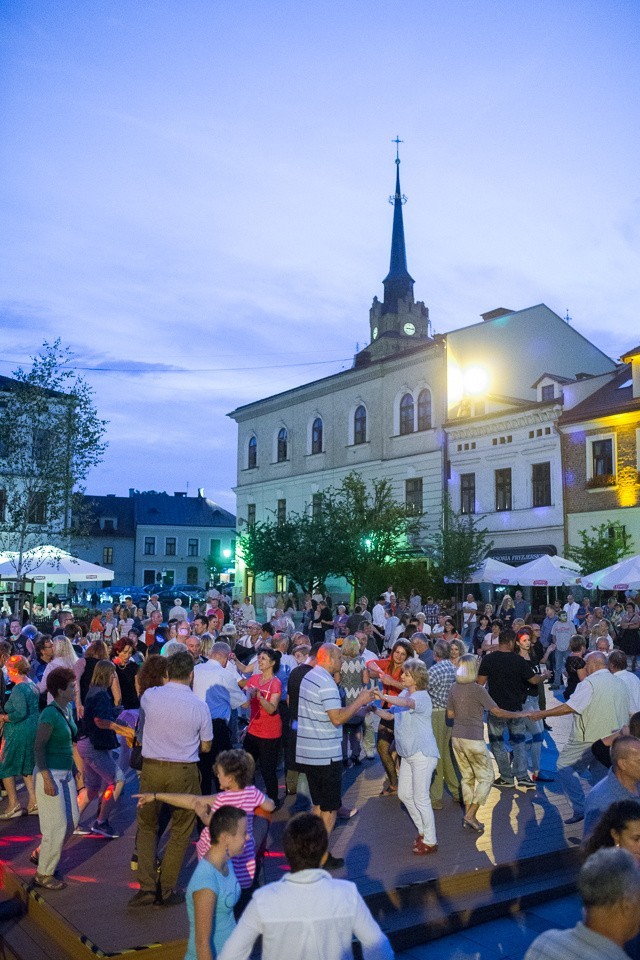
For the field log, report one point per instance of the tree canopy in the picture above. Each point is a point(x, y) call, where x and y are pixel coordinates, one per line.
point(601, 546)
point(50, 437)
point(349, 528)
point(461, 545)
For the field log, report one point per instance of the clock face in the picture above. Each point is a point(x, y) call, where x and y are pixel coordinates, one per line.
point(409, 329)
point(375, 333)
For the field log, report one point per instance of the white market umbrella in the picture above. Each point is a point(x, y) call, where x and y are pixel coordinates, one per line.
point(546, 571)
point(624, 575)
point(49, 564)
point(489, 571)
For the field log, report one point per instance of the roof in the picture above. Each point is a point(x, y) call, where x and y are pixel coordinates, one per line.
point(631, 354)
point(118, 508)
point(552, 376)
point(161, 509)
point(614, 397)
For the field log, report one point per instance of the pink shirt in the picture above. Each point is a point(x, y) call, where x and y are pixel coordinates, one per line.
point(247, 800)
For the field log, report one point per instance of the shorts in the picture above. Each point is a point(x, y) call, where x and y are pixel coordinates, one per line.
point(100, 769)
point(325, 784)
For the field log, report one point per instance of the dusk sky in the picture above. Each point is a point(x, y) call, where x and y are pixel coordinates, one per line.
point(194, 193)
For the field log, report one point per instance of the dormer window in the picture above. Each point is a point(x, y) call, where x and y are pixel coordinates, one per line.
point(547, 392)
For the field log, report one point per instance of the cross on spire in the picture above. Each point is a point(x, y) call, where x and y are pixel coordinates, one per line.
point(397, 142)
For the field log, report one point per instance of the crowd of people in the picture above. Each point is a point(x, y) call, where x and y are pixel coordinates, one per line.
point(207, 703)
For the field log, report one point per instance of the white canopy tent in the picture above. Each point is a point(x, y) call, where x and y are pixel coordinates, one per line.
point(489, 571)
point(624, 575)
point(546, 571)
point(49, 564)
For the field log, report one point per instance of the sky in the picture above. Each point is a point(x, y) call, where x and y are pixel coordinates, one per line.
point(194, 194)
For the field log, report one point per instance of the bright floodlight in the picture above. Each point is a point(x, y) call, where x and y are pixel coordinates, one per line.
point(476, 381)
point(226, 553)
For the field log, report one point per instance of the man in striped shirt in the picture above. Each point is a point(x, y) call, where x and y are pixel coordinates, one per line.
point(319, 736)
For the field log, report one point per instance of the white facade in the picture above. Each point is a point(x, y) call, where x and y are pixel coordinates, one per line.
point(177, 554)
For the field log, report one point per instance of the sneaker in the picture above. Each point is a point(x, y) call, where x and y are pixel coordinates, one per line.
point(501, 782)
point(526, 783)
point(104, 830)
point(143, 898)
point(333, 863)
point(82, 831)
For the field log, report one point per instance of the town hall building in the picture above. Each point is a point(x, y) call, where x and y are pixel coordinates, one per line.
point(472, 412)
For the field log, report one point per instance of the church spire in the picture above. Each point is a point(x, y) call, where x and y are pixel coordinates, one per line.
point(398, 284)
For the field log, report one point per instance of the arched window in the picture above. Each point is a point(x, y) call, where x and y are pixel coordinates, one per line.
point(360, 425)
point(406, 414)
point(424, 410)
point(252, 454)
point(316, 436)
point(281, 454)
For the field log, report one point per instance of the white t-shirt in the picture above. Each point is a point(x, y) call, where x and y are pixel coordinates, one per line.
point(469, 610)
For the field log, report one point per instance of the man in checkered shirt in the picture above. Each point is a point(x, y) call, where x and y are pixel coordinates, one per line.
point(442, 676)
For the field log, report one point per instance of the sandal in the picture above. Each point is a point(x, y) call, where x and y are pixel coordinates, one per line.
point(49, 883)
point(32, 810)
point(12, 814)
point(388, 791)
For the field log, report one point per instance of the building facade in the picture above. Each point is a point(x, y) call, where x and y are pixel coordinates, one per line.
point(431, 414)
point(146, 538)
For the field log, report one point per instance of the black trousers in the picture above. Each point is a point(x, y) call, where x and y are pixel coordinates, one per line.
point(265, 753)
point(206, 761)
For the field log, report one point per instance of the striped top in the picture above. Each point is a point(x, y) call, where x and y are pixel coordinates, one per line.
point(318, 742)
point(248, 799)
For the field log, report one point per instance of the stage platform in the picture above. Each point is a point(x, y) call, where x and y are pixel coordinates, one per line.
point(525, 854)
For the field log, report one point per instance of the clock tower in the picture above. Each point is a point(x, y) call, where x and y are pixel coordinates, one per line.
point(398, 321)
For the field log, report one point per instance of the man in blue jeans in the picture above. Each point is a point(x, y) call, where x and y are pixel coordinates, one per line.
point(506, 675)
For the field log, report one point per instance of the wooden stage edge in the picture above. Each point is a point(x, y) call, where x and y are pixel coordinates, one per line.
point(410, 915)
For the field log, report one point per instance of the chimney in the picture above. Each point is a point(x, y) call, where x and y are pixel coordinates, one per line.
point(494, 314)
point(201, 492)
point(633, 357)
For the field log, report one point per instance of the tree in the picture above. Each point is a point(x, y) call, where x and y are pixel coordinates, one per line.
point(369, 527)
point(50, 437)
point(601, 546)
point(349, 529)
point(461, 545)
point(298, 547)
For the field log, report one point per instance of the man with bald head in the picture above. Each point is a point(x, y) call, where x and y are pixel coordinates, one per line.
point(599, 706)
point(319, 736)
point(621, 782)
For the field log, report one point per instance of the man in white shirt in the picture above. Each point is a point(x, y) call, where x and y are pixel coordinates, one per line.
point(307, 913)
point(571, 608)
point(177, 612)
point(618, 667)
point(247, 609)
point(177, 727)
point(469, 611)
point(218, 688)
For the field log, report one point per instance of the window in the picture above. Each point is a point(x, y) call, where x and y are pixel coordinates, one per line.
point(3, 505)
point(413, 494)
point(192, 576)
point(215, 548)
point(503, 489)
point(40, 445)
point(148, 577)
point(360, 425)
point(281, 453)
point(170, 547)
point(424, 410)
point(406, 414)
point(316, 505)
point(316, 436)
point(251, 514)
point(107, 555)
point(541, 484)
point(467, 493)
point(149, 546)
point(547, 392)
point(38, 509)
point(602, 458)
point(168, 577)
point(193, 547)
point(252, 454)
point(281, 511)
point(232, 548)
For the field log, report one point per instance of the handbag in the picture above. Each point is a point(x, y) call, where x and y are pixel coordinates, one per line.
point(135, 757)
